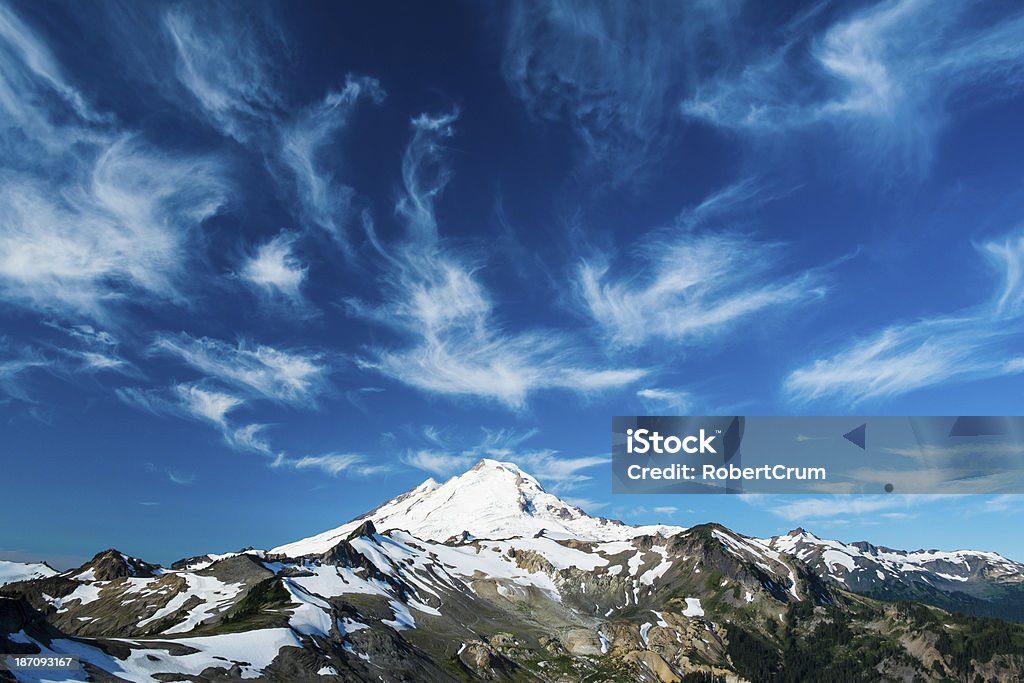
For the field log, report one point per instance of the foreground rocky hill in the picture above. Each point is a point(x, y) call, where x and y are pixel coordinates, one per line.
point(489, 577)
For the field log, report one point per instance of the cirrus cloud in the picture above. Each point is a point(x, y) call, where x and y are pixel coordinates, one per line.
point(286, 376)
point(962, 346)
point(436, 300)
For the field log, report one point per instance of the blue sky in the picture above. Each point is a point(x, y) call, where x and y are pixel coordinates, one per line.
point(263, 268)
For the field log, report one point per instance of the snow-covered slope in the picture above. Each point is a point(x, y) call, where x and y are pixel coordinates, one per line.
point(21, 571)
point(492, 500)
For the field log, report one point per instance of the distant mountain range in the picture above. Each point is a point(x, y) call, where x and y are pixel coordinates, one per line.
point(489, 577)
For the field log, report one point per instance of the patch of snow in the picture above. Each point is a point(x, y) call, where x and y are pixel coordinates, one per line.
point(835, 558)
point(655, 572)
point(86, 593)
point(635, 562)
point(351, 650)
point(693, 608)
point(347, 625)
point(311, 616)
point(403, 617)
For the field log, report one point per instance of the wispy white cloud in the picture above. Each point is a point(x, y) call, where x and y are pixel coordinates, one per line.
point(93, 214)
point(666, 399)
point(495, 441)
point(333, 464)
point(196, 402)
point(88, 335)
point(694, 285)
point(252, 438)
point(968, 345)
point(212, 406)
point(586, 504)
point(275, 269)
point(223, 63)
point(457, 344)
point(614, 72)
point(17, 362)
point(94, 361)
point(97, 352)
point(287, 376)
point(559, 471)
point(860, 506)
point(148, 400)
point(1006, 256)
point(11, 371)
point(437, 462)
point(641, 514)
point(1010, 502)
point(425, 175)
point(357, 396)
point(818, 508)
point(305, 143)
point(887, 74)
point(181, 478)
point(118, 229)
point(31, 81)
point(19, 365)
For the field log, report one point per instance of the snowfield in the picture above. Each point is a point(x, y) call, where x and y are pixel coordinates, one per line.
point(11, 572)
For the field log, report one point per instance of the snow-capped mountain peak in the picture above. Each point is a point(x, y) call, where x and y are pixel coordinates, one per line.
point(491, 500)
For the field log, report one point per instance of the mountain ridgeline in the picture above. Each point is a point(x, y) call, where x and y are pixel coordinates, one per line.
point(488, 577)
